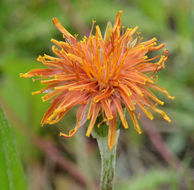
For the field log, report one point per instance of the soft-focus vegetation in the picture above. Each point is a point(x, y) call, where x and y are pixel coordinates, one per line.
point(147, 161)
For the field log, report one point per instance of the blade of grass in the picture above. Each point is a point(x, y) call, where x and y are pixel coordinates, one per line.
point(11, 172)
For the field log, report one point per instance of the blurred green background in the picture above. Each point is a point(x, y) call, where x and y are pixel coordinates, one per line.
point(160, 158)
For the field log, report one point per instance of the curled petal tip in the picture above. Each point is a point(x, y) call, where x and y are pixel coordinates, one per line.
point(120, 12)
point(53, 40)
point(43, 99)
point(136, 28)
point(167, 118)
point(151, 117)
point(171, 97)
point(25, 75)
point(64, 135)
point(36, 92)
point(22, 75)
point(139, 132)
point(154, 39)
point(60, 134)
point(55, 20)
point(39, 58)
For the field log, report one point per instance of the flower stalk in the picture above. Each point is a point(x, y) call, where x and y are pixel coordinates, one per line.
point(108, 157)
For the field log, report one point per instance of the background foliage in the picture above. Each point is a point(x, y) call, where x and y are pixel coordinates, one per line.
point(148, 161)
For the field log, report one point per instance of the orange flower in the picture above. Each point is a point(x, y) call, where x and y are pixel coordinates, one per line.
point(102, 76)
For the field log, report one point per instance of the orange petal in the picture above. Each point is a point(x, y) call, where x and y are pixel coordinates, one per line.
point(50, 95)
point(125, 89)
point(53, 106)
point(134, 87)
point(40, 72)
point(111, 133)
point(74, 99)
point(91, 31)
point(117, 21)
point(90, 111)
point(50, 87)
point(142, 107)
point(152, 96)
point(162, 113)
point(120, 111)
point(127, 101)
point(135, 122)
point(93, 119)
point(112, 128)
point(105, 94)
point(59, 78)
point(134, 77)
point(106, 107)
point(55, 118)
point(90, 86)
point(62, 29)
point(160, 89)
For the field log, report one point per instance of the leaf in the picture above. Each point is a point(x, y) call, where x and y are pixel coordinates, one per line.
point(11, 172)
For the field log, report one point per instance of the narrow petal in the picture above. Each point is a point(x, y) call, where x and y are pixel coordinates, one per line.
point(90, 111)
point(63, 30)
point(59, 78)
point(106, 107)
point(162, 113)
point(127, 101)
point(50, 95)
point(74, 99)
point(53, 106)
point(111, 133)
point(117, 21)
point(41, 72)
point(160, 89)
point(131, 76)
point(135, 122)
point(120, 111)
point(55, 118)
point(112, 127)
point(152, 96)
point(105, 94)
point(90, 86)
point(142, 107)
point(46, 89)
point(125, 89)
point(134, 87)
point(93, 119)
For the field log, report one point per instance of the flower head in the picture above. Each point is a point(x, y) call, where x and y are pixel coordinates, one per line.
point(102, 76)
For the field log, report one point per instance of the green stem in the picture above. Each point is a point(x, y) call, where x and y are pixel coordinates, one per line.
point(108, 159)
